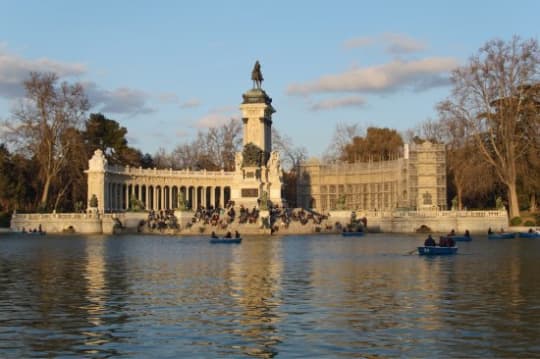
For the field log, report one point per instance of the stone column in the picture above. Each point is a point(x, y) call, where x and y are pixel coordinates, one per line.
point(115, 190)
point(152, 197)
point(107, 196)
point(222, 195)
point(126, 197)
point(147, 196)
point(163, 198)
point(203, 196)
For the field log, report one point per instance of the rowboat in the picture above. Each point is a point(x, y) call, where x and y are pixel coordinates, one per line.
point(461, 238)
point(352, 234)
point(432, 251)
point(226, 240)
point(501, 235)
point(529, 235)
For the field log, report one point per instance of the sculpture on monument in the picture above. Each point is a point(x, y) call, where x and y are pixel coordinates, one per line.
point(252, 156)
point(256, 75)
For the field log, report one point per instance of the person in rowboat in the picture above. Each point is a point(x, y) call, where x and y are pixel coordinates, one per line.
point(430, 242)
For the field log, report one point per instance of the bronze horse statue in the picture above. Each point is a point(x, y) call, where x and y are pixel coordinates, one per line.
point(256, 75)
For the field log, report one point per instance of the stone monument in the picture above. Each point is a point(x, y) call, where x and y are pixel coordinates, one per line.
point(257, 166)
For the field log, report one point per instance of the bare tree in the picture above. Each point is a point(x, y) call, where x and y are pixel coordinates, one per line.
point(469, 172)
point(290, 155)
point(40, 122)
point(343, 136)
point(489, 97)
point(212, 150)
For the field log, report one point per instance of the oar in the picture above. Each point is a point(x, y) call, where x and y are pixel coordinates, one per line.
point(411, 252)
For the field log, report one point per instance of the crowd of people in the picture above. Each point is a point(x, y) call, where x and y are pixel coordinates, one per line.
point(215, 216)
point(164, 219)
point(282, 216)
point(38, 230)
point(221, 218)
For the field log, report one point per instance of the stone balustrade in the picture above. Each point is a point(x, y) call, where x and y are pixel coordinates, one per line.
point(154, 172)
point(434, 213)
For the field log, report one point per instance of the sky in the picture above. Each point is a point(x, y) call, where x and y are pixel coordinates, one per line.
point(168, 69)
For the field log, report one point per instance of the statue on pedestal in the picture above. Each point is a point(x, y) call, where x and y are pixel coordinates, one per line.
point(256, 75)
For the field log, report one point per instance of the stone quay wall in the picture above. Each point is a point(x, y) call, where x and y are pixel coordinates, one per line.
point(87, 223)
point(390, 222)
point(438, 221)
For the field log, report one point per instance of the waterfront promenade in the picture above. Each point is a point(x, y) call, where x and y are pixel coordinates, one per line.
point(377, 221)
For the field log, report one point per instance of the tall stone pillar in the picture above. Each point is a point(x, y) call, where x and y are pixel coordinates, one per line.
point(257, 113)
point(258, 173)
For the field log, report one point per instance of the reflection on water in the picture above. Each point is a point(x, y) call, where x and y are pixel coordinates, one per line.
point(308, 296)
point(256, 288)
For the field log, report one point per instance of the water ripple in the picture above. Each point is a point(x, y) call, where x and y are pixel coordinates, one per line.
point(306, 296)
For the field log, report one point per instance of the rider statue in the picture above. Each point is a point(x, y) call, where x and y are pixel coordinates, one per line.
point(256, 75)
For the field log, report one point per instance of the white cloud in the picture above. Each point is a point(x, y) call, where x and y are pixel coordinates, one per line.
point(14, 70)
point(402, 44)
point(418, 75)
point(122, 100)
point(172, 98)
point(217, 117)
point(394, 43)
point(353, 101)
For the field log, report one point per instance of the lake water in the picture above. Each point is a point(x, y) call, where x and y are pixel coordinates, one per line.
point(298, 296)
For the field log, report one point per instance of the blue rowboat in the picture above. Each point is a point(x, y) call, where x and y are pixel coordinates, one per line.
point(462, 238)
point(528, 235)
point(352, 234)
point(501, 235)
point(433, 251)
point(226, 240)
